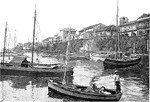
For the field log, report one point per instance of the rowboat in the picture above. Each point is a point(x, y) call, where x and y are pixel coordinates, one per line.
point(78, 92)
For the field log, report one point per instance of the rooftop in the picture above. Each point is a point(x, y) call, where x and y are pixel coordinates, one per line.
point(144, 16)
point(92, 26)
point(68, 28)
point(107, 28)
point(47, 39)
point(128, 23)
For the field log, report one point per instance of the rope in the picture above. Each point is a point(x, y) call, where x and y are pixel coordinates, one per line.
point(37, 35)
point(39, 30)
point(9, 37)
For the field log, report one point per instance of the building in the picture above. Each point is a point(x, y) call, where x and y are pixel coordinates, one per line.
point(124, 20)
point(107, 31)
point(143, 28)
point(89, 31)
point(139, 27)
point(128, 28)
point(143, 24)
point(63, 34)
point(47, 41)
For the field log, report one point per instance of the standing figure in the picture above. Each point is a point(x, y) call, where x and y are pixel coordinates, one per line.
point(117, 81)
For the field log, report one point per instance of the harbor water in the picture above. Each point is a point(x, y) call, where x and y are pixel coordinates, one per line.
point(34, 89)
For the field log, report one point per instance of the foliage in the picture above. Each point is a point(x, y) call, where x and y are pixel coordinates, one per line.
point(61, 47)
point(126, 43)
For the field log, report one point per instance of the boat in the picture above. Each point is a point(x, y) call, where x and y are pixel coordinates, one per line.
point(80, 92)
point(73, 57)
point(101, 56)
point(20, 66)
point(119, 61)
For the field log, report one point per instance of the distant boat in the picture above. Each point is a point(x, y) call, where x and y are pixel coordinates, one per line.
point(120, 62)
point(99, 56)
point(78, 57)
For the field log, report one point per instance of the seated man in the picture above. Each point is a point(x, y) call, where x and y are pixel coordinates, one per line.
point(92, 88)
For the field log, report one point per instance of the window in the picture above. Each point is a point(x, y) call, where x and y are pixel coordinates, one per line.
point(147, 24)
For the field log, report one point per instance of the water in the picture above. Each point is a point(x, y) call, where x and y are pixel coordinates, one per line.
point(16, 88)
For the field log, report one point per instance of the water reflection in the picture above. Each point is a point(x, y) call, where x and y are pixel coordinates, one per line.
point(24, 89)
point(16, 88)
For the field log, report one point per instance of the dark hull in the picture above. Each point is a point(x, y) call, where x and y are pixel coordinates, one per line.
point(111, 63)
point(78, 58)
point(33, 72)
point(63, 90)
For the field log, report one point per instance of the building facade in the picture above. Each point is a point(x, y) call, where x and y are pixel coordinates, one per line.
point(89, 32)
point(64, 34)
point(128, 28)
point(143, 28)
point(139, 28)
point(107, 31)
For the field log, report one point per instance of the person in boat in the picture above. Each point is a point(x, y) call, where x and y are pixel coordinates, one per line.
point(101, 90)
point(117, 81)
point(94, 87)
point(98, 90)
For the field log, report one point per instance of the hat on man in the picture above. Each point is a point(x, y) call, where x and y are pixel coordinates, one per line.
point(116, 71)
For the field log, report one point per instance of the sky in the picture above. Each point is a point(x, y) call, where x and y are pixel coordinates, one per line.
point(54, 15)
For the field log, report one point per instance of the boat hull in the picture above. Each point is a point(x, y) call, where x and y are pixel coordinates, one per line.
point(66, 91)
point(78, 58)
point(33, 72)
point(110, 63)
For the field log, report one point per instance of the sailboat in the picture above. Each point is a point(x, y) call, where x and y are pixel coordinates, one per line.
point(4, 49)
point(21, 67)
point(119, 62)
point(79, 92)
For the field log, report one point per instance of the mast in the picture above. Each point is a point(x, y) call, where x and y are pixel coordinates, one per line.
point(15, 39)
point(67, 51)
point(117, 44)
point(4, 43)
point(33, 34)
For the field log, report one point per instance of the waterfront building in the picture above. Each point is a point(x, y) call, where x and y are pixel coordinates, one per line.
point(143, 24)
point(63, 34)
point(143, 28)
point(88, 32)
point(138, 27)
point(128, 28)
point(124, 20)
point(47, 41)
point(107, 31)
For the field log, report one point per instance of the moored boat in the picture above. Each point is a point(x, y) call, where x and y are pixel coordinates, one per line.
point(119, 63)
point(74, 92)
point(120, 60)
